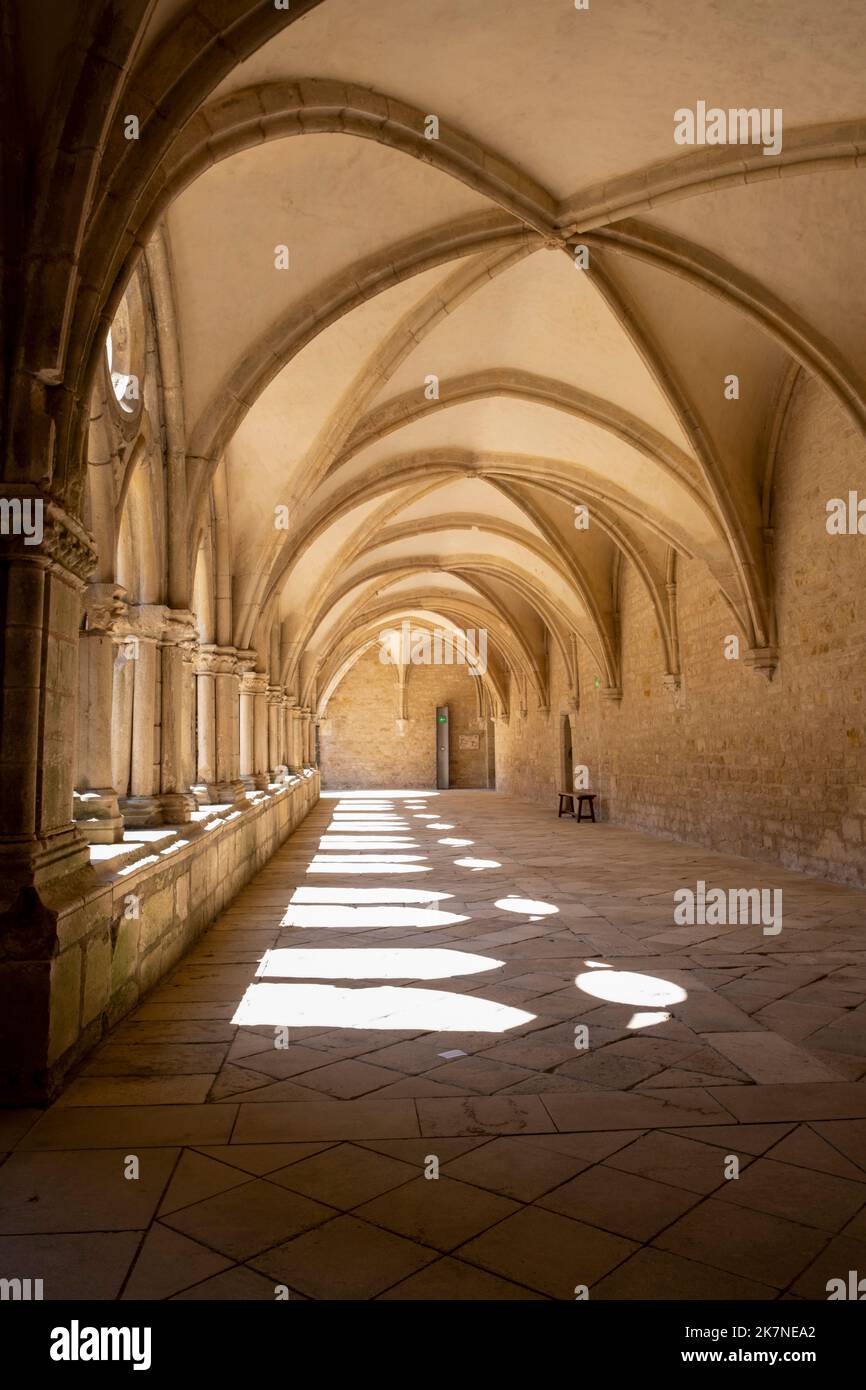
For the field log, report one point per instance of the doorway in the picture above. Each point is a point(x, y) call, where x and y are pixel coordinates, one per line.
point(443, 748)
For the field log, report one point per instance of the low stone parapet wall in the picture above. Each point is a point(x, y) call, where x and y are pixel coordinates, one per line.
point(122, 928)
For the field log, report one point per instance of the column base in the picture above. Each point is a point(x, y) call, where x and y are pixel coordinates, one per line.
point(97, 815)
point(141, 812)
point(228, 793)
point(31, 863)
point(44, 963)
point(177, 807)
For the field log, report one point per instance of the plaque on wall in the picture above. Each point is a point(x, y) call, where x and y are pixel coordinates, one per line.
point(468, 741)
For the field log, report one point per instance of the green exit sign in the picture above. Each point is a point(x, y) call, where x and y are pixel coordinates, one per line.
point(443, 719)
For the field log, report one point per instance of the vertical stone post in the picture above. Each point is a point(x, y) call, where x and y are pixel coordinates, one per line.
point(274, 698)
point(141, 808)
point(97, 813)
point(294, 756)
point(228, 787)
point(260, 729)
point(176, 799)
point(247, 729)
point(121, 715)
point(44, 859)
point(206, 718)
point(189, 652)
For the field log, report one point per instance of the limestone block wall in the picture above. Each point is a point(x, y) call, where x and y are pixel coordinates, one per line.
point(774, 771)
point(361, 747)
point(124, 931)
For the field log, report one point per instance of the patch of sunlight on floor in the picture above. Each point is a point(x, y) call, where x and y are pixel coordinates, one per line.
point(365, 918)
point(647, 1020)
point(371, 963)
point(382, 1007)
point(515, 904)
point(366, 808)
point(458, 844)
point(440, 825)
point(405, 793)
point(366, 818)
point(478, 863)
point(367, 895)
point(366, 842)
point(397, 857)
point(347, 867)
point(626, 987)
point(350, 827)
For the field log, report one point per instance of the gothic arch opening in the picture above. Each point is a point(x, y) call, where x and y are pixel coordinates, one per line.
point(367, 362)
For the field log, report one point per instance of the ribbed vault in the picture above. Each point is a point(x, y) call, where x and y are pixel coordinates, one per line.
point(458, 338)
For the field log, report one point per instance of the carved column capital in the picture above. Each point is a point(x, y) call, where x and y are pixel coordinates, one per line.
point(38, 530)
point(217, 661)
point(104, 609)
point(178, 627)
point(254, 683)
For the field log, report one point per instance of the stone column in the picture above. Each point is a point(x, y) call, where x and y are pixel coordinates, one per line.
point(175, 797)
point(189, 652)
point(141, 808)
point(307, 751)
point(247, 729)
point(97, 813)
point(284, 721)
point(274, 698)
point(294, 757)
point(228, 786)
point(44, 858)
point(205, 684)
point(121, 714)
point(260, 735)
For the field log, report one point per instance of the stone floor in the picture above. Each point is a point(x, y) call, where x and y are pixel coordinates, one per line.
point(395, 994)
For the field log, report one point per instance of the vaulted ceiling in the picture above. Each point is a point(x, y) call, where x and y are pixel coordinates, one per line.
point(534, 312)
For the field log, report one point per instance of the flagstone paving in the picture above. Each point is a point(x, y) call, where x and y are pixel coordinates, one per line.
point(520, 1015)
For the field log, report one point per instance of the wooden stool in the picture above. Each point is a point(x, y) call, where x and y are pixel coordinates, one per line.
point(581, 798)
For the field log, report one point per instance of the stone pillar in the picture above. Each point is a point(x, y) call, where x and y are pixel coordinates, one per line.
point(205, 684)
point(189, 760)
point(260, 724)
point(294, 756)
point(97, 813)
point(141, 807)
point(44, 858)
point(247, 730)
point(284, 720)
point(306, 738)
point(228, 786)
point(121, 715)
point(274, 698)
point(176, 799)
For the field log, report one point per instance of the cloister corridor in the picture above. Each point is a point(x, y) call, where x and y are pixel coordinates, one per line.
point(366, 1080)
point(432, 682)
